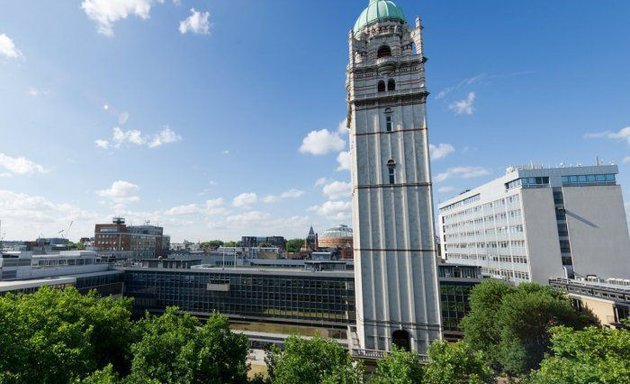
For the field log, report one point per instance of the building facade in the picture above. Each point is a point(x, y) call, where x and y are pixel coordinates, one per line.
point(394, 249)
point(141, 240)
point(538, 223)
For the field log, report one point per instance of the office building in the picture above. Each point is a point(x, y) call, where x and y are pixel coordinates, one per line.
point(538, 223)
point(263, 241)
point(142, 241)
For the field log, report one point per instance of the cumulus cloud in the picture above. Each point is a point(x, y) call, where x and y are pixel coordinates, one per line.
point(465, 106)
point(120, 192)
point(166, 136)
point(622, 134)
point(27, 216)
point(107, 12)
point(197, 23)
point(626, 160)
point(440, 151)
point(136, 137)
point(182, 210)
point(36, 92)
point(322, 142)
point(20, 165)
point(462, 172)
point(290, 194)
point(344, 160)
point(8, 48)
point(334, 210)
point(336, 190)
point(342, 128)
point(245, 199)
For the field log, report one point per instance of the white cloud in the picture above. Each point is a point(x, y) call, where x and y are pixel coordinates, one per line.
point(622, 134)
point(334, 210)
point(35, 92)
point(197, 23)
point(336, 190)
point(27, 216)
point(462, 172)
point(104, 144)
point(626, 160)
point(121, 192)
point(465, 106)
point(225, 152)
point(136, 137)
point(166, 136)
point(20, 165)
point(466, 82)
point(107, 12)
point(8, 48)
point(290, 194)
point(123, 117)
point(249, 217)
point(182, 210)
point(344, 160)
point(342, 128)
point(245, 199)
point(440, 151)
point(321, 181)
point(322, 142)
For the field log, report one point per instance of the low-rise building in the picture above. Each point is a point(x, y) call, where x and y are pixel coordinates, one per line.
point(142, 240)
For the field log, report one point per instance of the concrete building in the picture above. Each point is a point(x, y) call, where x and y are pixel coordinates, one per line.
point(538, 223)
point(608, 300)
point(142, 240)
point(257, 241)
point(394, 251)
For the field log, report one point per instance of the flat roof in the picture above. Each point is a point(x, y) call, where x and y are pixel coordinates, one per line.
point(248, 271)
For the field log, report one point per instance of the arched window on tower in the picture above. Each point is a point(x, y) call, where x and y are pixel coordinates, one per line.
point(381, 86)
point(383, 51)
point(391, 166)
point(388, 120)
point(391, 85)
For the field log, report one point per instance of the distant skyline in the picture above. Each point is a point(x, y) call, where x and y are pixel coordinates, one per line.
point(221, 119)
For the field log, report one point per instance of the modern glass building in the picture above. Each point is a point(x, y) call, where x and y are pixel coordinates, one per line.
point(323, 298)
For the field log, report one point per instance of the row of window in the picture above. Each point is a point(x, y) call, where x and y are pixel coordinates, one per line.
point(528, 182)
point(487, 207)
point(589, 179)
point(507, 274)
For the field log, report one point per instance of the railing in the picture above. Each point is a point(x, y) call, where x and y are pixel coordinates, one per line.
point(373, 354)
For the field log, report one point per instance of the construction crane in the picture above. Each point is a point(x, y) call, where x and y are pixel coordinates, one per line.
point(66, 231)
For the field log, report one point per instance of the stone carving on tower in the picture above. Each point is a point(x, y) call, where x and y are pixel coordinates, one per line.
point(397, 296)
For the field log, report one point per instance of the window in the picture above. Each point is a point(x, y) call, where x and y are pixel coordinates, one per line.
point(383, 51)
point(391, 85)
point(391, 165)
point(388, 120)
point(381, 86)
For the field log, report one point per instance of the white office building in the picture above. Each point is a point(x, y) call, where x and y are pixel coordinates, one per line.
point(538, 223)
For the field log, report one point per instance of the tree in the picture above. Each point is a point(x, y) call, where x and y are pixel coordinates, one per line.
point(313, 361)
point(511, 325)
point(54, 335)
point(175, 348)
point(456, 364)
point(294, 245)
point(398, 367)
point(230, 244)
point(594, 355)
point(525, 317)
point(481, 326)
point(212, 244)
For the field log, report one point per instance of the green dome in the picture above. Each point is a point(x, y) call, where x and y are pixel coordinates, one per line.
point(378, 10)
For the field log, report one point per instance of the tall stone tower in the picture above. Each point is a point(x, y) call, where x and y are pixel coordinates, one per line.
point(394, 248)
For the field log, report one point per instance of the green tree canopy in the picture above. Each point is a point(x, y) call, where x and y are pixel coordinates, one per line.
point(175, 348)
point(456, 363)
point(398, 367)
point(294, 245)
point(591, 356)
point(313, 361)
point(54, 335)
point(511, 325)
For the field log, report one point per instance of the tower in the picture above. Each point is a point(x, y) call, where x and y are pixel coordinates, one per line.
point(396, 284)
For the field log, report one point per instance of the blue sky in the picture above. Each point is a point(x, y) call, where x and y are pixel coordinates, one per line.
point(221, 118)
